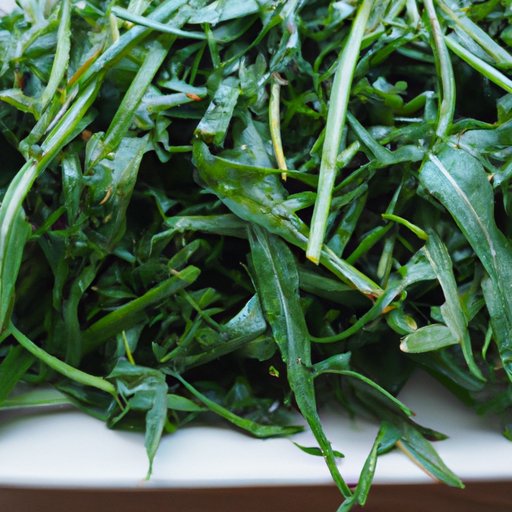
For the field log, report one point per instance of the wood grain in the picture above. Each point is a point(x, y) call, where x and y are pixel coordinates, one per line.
point(477, 497)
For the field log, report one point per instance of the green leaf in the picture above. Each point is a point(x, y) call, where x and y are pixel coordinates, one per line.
point(221, 10)
point(40, 398)
point(122, 120)
point(155, 421)
point(125, 14)
point(246, 326)
point(409, 225)
point(123, 170)
point(333, 364)
point(60, 366)
point(256, 429)
point(277, 284)
point(13, 236)
point(12, 369)
point(214, 125)
point(419, 449)
point(72, 185)
point(146, 390)
point(315, 451)
point(258, 198)
point(452, 312)
point(62, 52)
point(132, 312)
point(17, 99)
point(430, 337)
point(365, 480)
point(180, 403)
point(459, 182)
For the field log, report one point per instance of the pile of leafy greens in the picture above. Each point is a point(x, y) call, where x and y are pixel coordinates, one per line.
point(245, 208)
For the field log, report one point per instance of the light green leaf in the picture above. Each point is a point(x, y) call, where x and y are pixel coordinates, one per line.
point(425, 339)
point(460, 183)
point(452, 313)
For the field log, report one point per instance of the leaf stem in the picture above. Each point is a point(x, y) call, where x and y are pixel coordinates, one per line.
point(125, 14)
point(374, 385)
point(274, 118)
point(129, 39)
point(498, 53)
point(61, 59)
point(334, 129)
point(256, 429)
point(122, 120)
point(413, 13)
point(444, 70)
point(479, 65)
point(420, 233)
point(60, 366)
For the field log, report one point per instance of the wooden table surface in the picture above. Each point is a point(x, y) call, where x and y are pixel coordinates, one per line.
point(477, 497)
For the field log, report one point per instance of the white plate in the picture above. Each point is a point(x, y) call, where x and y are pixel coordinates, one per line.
point(7, 5)
point(67, 448)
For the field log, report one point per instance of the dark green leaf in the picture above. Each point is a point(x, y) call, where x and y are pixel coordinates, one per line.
point(277, 283)
point(12, 369)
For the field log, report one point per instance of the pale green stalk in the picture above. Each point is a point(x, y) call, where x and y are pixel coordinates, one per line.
point(60, 366)
point(125, 14)
point(11, 207)
point(274, 115)
point(422, 235)
point(444, 70)
point(334, 128)
point(395, 9)
point(413, 13)
point(480, 65)
point(498, 53)
point(60, 62)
